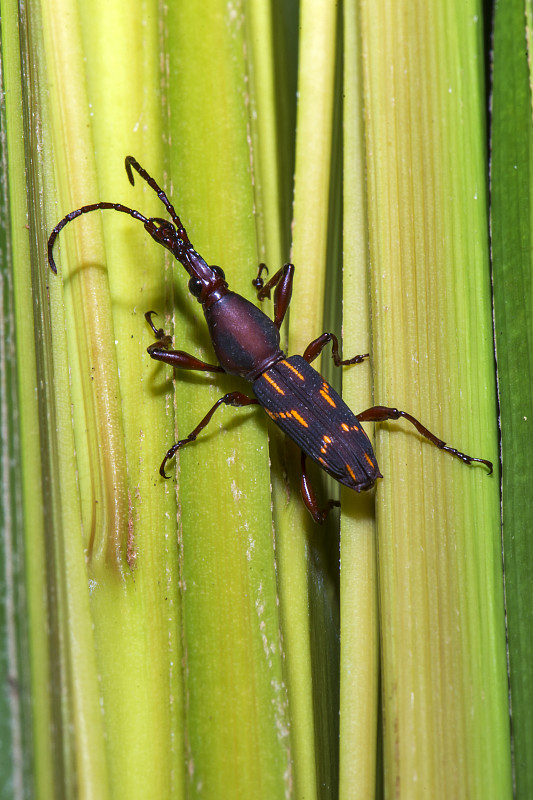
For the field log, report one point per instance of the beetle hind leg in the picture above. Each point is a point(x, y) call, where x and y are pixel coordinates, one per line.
point(309, 497)
point(382, 413)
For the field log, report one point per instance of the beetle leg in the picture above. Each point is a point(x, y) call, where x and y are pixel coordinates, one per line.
point(236, 399)
point(180, 360)
point(382, 413)
point(176, 358)
point(315, 348)
point(282, 280)
point(309, 497)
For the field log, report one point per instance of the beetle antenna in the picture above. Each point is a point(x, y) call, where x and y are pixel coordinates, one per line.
point(132, 162)
point(148, 223)
point(85, 210)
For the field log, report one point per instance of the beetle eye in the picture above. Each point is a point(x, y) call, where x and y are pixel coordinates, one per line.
point(220, 272)
point(195, 287)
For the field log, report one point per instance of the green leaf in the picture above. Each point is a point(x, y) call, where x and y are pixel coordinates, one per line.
point(442, 628)
point(15, 707)
point(359, 676)
point(512, 151)
point(194, 637)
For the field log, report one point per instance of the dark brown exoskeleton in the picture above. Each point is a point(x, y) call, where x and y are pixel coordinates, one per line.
point(247, 343)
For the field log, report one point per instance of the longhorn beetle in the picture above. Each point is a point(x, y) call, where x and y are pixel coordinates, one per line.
point(247, 343)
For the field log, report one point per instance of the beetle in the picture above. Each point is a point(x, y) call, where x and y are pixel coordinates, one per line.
point(247, 344)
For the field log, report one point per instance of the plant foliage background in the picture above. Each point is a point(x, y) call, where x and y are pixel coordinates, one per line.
point(202, 636)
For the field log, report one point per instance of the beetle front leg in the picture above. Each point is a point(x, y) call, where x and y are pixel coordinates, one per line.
point(175, 358)
point(382, 413)
point(314, 349)
point(282, 280)
point(309, 497)
point(236, 399)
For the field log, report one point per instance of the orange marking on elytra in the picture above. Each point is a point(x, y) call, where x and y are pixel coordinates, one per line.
point(324, 392)
point(293, 369)
point(298, 417)
point(352, 473)
point(273, 383)
point(369, 460)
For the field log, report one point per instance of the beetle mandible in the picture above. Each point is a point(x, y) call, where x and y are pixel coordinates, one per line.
point(247, 343)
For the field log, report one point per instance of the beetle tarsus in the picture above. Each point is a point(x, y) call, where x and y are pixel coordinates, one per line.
point(159, 333)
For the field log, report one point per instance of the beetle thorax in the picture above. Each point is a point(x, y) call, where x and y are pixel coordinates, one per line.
point(245, 340)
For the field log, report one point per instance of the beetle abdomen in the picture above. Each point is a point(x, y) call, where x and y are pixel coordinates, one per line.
point(311, 413)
